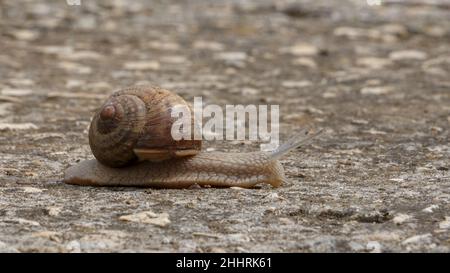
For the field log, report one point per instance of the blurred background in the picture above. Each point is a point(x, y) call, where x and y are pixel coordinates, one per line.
point(312, 56)
point(375, 73)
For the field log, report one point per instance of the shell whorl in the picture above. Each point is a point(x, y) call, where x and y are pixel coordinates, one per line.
point(135, 124)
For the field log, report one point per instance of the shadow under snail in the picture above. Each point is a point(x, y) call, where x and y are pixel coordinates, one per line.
point(130, 137)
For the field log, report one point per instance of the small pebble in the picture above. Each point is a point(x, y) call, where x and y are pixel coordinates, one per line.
point(31, 190)
point(142, 65)
point(25, 35)
point(55, 49)
point(376, 90)
point(374, 247)
point(247, 91)
point(54, 211)
point(164, 46)
point(418, 239)
point(18, 126)
point(301, 49)
point(401, 218)
point(21, 221)
point(356, 33)
point(296, 84)
point(21, 82)
point(73, 247)
point(16, 92)
point(75, 68)
point(408, 55)
point(430, 209)
point(148, 217)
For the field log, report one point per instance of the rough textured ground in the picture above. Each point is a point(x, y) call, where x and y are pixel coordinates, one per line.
point(376, 77)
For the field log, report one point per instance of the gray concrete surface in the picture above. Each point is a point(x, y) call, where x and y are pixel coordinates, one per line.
point(376, 77)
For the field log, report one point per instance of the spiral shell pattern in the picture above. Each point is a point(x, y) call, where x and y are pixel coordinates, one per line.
point(137, 119)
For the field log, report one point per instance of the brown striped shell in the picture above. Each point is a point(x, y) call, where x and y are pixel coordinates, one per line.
point(135, 124)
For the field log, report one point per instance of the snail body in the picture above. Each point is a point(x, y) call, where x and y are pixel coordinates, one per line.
point(213, 169)
point(131, 141)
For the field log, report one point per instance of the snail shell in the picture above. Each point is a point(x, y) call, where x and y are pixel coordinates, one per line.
point(135, 124)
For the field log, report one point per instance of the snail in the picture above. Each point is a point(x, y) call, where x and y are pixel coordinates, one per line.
point(130, 137)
